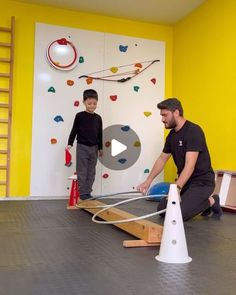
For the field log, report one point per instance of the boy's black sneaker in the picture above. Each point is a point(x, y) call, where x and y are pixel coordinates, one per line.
point(85, 197)
point(216, 208)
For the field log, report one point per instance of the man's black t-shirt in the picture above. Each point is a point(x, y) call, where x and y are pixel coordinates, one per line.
point(88, 129)
point(190, 138)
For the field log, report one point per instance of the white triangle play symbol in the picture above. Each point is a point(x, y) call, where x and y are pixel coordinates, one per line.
point(117, 147)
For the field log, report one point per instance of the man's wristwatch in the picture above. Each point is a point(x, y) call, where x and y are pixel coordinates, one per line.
point(179, 187)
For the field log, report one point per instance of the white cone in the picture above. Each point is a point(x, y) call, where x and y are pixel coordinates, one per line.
point(173, 247)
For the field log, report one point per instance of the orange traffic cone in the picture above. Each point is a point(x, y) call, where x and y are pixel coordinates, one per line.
point(74, 193)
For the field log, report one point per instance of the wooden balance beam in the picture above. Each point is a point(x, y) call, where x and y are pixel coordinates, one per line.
point(149, 233)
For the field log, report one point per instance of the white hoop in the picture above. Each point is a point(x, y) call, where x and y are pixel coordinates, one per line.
point(108, 196)
point(113, 196)
point(124, 220)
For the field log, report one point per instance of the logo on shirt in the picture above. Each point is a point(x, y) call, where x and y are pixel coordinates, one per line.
point(180, 143)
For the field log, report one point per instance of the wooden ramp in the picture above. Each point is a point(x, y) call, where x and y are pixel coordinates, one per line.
point(149, 233)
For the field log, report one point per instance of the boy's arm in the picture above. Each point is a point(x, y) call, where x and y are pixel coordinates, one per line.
point(73, 133)
point(100, 137)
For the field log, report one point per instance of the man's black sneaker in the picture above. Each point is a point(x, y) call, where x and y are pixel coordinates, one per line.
point(206, 212)
point(216, 208)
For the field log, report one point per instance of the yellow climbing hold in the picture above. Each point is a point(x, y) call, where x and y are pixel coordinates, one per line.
point(114, 70)
point(147, 114)
point(137, 144)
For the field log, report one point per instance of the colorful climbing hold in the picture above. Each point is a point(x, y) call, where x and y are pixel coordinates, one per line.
point(107, 144)
point(81, 59)
point(125, 128)
point(147, 114)
point(123, 48)
point(136, 88)
point(62, 41)
point(138, 65)
point(153, 80)
point(89, 80)
point(113, 97)
point(146, 170)
point(51, 89)
point(114, 70)
point(76, 103)
point(105, 175)
point(122, 161)
point(137, 144)
point(53, 140)
point(58, 118)
point(70, 82)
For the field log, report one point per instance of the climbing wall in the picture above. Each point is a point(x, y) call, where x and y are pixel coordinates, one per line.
point(68, 61)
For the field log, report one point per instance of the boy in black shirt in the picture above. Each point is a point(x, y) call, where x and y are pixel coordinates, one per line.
point(87, 129)
point(187, 145)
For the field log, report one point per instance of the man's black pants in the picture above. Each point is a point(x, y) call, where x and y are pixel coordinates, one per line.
point(194, 200)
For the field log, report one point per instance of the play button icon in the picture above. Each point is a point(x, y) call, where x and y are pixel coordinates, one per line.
point(121, 147)
point(117, 147)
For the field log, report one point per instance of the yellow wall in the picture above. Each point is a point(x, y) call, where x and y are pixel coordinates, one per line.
point(204, 75)
point(26, 16)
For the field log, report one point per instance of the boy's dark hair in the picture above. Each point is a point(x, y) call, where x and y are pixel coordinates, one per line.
point(171, 104)
point(90, 93)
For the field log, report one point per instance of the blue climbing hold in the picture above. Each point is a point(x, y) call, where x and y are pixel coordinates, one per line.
point(58, 119)
point(122, 161)
point(125, 128)
point(123, 48)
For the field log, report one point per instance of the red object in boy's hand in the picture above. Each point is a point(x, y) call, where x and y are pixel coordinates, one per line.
point(68, 158)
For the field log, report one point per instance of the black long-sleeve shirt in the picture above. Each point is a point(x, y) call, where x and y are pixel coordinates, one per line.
point(87, 129)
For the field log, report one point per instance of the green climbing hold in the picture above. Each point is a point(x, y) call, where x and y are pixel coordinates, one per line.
point(51, 89)
point(81, 59)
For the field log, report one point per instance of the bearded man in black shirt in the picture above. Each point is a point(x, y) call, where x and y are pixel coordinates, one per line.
point(186, 143)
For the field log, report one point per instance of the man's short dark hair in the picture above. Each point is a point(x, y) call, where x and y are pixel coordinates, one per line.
point(171, 104)
point(90, 93)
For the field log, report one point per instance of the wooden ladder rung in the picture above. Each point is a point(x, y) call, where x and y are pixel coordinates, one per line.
point(3, 152)
point(4, 90)
point(4, 105)
point(3, 136)
point(5, 75)
point(4, 44)
point(3, 167)
point(3, 59)
point(4, 29)
point(3, 120)
point(3, 183)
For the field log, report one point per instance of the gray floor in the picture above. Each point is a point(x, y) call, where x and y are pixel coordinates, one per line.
point(48, 250)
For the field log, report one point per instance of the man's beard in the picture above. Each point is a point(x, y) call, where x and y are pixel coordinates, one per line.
point(172, 124)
